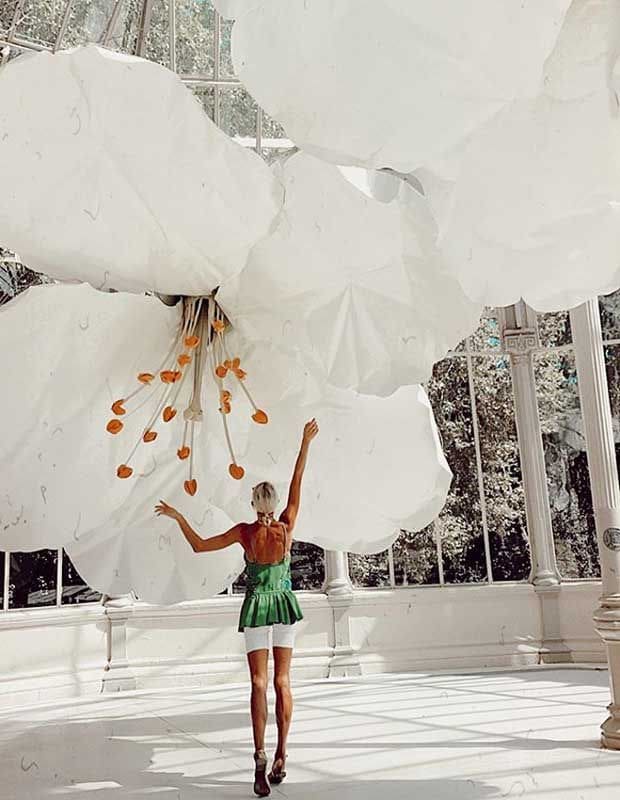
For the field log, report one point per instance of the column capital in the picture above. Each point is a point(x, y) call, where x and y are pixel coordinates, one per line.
point(520, 342)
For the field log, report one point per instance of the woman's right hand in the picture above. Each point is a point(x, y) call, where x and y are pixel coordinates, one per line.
point(163, 509)
point(310, 430)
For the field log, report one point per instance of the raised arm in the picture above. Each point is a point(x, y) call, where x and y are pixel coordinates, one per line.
point(289, 515)
point(197, 543)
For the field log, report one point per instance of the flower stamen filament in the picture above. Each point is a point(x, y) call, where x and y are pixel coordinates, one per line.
point(199, 340)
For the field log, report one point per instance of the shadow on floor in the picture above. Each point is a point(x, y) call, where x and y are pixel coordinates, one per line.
point(136, 757)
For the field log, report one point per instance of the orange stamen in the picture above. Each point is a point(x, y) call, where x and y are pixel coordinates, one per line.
point(225, 406)
point(124, 471)
point(191, 487)
point(145, 377)
point(260, 417)
point(149, 436)
point(169, 375)
point(218, 325)
point(183, 360)
point(169, 413)
point(183, 452)
point(118, 408)
point(192, 341)
point(236, 471)
point(114, 426)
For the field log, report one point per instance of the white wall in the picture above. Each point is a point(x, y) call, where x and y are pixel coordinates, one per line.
point(50, 653)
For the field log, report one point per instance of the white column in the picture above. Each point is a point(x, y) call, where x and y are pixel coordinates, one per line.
point(118, 675)
point(339, 590)
point(520, 338)
point(337, 581)
point(596, 411)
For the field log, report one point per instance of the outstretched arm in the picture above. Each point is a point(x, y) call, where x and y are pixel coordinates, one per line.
point(289, 515)
point(197, 543)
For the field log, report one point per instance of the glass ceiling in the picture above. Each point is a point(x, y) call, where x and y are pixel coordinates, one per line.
point(187, 36)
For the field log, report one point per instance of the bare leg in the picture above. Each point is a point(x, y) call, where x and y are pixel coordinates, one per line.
point(284, 708)
point(257, 662)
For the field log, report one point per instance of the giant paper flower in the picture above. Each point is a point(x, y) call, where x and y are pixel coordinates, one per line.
point(529, 206)
point(169, 380)
point(364, 290)
point(393, 82)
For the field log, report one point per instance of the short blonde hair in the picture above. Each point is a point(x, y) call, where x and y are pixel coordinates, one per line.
point(264, 498)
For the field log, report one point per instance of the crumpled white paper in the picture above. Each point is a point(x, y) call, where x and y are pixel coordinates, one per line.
point(112, 173)
point(357, 283)
point(393, 82)
point(529, 206)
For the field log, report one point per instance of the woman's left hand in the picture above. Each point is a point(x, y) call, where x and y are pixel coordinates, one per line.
point(167, 511)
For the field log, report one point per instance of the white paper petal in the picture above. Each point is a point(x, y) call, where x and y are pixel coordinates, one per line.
point(67, 353)
point(355, 283)
point(113, 174)
point(376, 466)
point(136, 550)
point(392, 82)
point(533, 210)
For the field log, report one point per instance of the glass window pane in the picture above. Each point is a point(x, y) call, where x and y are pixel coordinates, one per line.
point(74, 589)
point(40, 21)
point(275, 142)
point(501, 468)
point(238, 115)
point(554, 329)
point(7, 9)
point(158, 39)
point(486, 336)
point(125, 33)
point(369, 571)
point(609, 306)
point(307, 566)
point(566, 464)
point(460, 522)
point(194, 37)
point(32, 579)
point(239, 584)
point(206, 97)
point(226, 65)
point(612, 365)
point(415, 557)
point(15, 277)
point(88, 22)
point(274, 134)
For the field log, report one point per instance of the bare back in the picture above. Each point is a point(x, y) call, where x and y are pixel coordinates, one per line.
point(266, 544)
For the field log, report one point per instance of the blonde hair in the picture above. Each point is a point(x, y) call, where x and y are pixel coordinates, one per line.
point(264, 498)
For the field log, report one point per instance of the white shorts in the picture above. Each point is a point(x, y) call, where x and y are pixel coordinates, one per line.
point(258, 638)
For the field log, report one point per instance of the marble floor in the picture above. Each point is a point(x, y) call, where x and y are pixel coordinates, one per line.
point(531, 733)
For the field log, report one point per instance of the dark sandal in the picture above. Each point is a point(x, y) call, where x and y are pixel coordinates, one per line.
point(261, 787)
point(277, 776)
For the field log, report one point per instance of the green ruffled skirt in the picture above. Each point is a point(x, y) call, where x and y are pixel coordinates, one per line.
point(269, 598)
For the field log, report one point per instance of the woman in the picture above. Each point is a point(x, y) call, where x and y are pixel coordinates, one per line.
point(270, 607)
